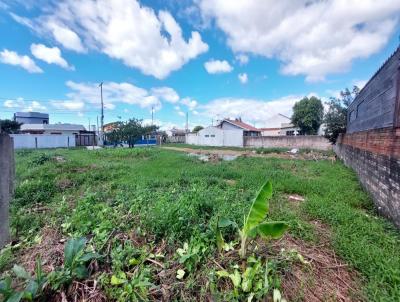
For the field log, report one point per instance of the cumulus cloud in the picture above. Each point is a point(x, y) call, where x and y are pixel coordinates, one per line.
point(254, 111)
point(243, 78)
point(312, 38)
point(51, 55)
point(12, 58)
point(84, 95)
point(189, 103)
point(217, 66)
point(124, 30)
point(166, 93)
point(22, 105)
point(243, 59)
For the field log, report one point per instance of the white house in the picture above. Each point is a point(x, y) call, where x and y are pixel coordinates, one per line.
point(216, 136)
point(52, 129)
point(237, 124)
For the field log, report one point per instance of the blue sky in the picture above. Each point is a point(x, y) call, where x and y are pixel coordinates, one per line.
point(212, 59)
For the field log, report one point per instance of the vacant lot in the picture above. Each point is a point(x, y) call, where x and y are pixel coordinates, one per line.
point(149, 217)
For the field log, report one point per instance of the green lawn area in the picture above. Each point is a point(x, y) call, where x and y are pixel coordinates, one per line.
point(150, 215)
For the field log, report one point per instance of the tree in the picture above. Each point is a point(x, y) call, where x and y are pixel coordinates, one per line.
point(308, 114)
point(336, 116)
point(198, 128)
point(9, 126)
point(129, 131)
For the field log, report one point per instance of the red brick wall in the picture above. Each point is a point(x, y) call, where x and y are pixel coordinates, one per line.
point(375, 156)
point(384, 141)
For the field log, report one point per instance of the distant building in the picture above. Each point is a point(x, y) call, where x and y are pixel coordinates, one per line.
point(31, 117)
point(176, 132)
point(54, 129)
point(237, 124)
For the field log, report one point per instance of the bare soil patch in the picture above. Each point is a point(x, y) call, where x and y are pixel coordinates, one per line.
point(326, 278)
point(50, 250)
point(248, 153)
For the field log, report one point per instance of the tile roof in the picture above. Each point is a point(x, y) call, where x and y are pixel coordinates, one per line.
point(242, 125)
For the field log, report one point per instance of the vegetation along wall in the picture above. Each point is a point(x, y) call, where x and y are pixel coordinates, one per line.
point(375, 156)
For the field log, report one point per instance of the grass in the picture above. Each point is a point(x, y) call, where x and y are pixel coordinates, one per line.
point(166, 196)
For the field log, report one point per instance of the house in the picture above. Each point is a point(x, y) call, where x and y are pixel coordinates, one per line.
point(54, 129)
point(174, 132)
point(31, 117)
point(238, 124)
point(216, 136)
point(279, 125)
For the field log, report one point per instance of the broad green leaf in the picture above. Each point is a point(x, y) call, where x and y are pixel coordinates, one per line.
point(32, 289)
point(259, 208)
point(236, 278)
point(72, 248)
point(81, 272)
point(180, 273)
point(117, 281)
point(5, 285)
point(220, 240)
point(20, 272)
point(224, 222)
point(16, 297)
point(89, 256)
point(274, 229)
point(222, 274)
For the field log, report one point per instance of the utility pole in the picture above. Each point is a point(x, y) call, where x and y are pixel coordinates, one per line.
point(89, 124)
point(102, 113)
point(152, 117)
point(187, 122)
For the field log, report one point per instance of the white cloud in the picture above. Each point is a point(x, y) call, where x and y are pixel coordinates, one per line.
point(124, 30)
point(87, 95)
point(190, 103)
point(51, 55)
point(21, 104)
point(217, 66)
point(181, 113)
point(253, 111)
point(166, 93)
point(243, 78)
point(311, 38)
point(243, 59)
point(69, 105)
point(359, 83)
point(12, 58)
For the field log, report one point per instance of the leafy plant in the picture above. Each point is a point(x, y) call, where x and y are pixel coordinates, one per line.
point(254, 281)
point(75, 260)
point(34, 285)
point(254, 223)
point(130, 287)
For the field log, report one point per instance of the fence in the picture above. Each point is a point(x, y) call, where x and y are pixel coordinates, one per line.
point(6, 185)
point(176, 139)
point(301, 141)
point(38, 141)
point(85, 140)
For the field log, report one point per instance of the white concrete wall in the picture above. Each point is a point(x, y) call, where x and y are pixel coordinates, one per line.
point(271, 132)
point(30, 141)
point(213, 136)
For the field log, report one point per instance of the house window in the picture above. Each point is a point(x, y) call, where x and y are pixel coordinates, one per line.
point(206, 135)
point(212, 135)
point(56, 133)
point(290, 133)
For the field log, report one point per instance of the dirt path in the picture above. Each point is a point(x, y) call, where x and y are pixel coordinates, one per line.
point(247, 153)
